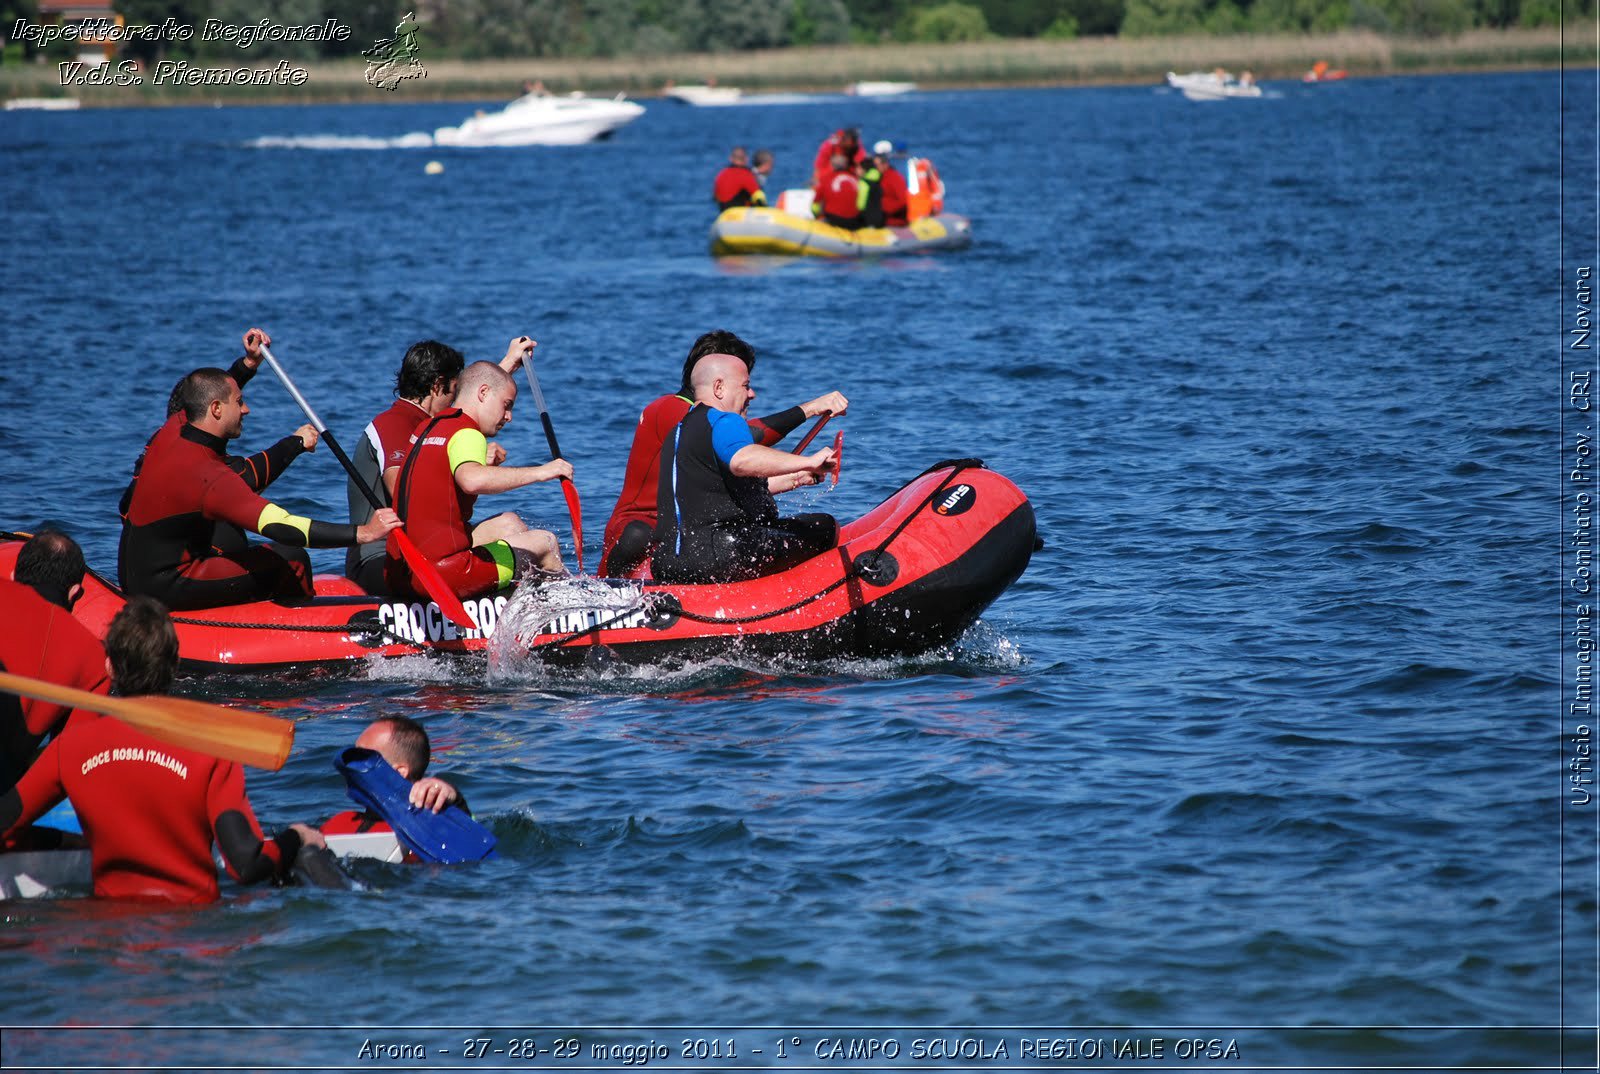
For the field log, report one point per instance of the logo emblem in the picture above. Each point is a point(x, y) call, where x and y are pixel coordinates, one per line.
point(956, 501)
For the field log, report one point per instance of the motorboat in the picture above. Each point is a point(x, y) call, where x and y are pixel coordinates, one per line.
point(1321, 73)
point(1213, 85)
point(879, 89)
point(544, 119)
point(708, 96)
point(42, 104)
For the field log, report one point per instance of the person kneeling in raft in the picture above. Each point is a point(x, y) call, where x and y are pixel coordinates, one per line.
point(716, 520)
point(450, 464)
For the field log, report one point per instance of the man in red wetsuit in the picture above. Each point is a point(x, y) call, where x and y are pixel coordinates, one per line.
point(449, 466)
point(258, 470)
point(835, 199)
point(424, 387)
point(630, 530)
point(845, 141)
point(185, 486)
point(403, 742)
point(150, 811)
point(40, 638)
point(736, 184)
point(896, 196)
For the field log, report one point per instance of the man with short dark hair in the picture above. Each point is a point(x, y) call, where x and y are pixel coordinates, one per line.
point(449, 466)
point(150, 811)
point(40, 638)
point(717, 521)
point(630, 531)
point(423, 388)
point(185, 486)
point(403, 743)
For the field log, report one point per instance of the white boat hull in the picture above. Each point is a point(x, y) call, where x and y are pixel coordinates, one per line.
point(539, 119)
point(1205, 86)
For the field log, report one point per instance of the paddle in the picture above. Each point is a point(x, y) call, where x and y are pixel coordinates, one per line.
point(422, 568)
point(251, 738)
point(574, 507)
point(826, 416)
point(838, 454)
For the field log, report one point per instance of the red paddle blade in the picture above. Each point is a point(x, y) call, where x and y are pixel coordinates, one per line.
point(838, 454)
point(575, 509)
point(427, 576)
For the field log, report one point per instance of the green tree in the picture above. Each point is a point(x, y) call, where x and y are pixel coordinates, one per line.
point(189, 13)
point(949, 21)
point(819, 22)
point(1149, 18)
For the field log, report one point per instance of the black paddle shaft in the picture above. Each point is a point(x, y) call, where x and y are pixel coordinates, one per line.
point(550, 434)
point(350, 468)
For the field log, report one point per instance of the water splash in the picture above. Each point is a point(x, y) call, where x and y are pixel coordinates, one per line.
point(532, 608)
point(414, 140)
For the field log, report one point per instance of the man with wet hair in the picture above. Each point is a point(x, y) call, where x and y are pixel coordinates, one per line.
point(449, 466)
point(403, 742)
point(185, 487)
point(423, 388)
point(40, 638)
point(630, 531)
point(717, 521)
point(151, 811)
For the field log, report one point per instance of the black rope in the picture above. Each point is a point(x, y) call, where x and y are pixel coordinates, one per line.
point(374, 627)
point(851, 570)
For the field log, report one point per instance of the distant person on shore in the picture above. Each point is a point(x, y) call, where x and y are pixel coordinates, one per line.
point(737, 185)
point(151, 811)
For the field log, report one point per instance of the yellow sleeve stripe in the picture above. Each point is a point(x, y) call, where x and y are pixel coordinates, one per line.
point(273, 515)
point(468, 445)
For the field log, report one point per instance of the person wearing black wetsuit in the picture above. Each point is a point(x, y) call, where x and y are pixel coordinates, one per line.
point(717, 521)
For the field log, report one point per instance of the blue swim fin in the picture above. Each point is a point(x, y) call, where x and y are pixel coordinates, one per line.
point(450, 837)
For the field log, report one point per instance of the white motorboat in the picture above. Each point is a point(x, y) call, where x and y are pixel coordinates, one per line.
point(1213, 85)
point(42, 104)
point(879, 89)
point(544, 119)
point(704, 96)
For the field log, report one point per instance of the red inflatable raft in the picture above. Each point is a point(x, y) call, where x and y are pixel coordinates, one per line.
point(911, 574)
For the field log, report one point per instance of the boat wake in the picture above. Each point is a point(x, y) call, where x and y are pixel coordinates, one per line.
point(414, 140)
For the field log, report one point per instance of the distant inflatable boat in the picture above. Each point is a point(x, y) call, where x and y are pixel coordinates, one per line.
point(911, 574)
point(773, 231)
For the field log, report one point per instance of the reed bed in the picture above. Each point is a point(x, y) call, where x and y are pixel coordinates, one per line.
point(1087, 61)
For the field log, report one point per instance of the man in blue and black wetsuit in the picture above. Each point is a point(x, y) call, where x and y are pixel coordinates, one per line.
point(716, 520)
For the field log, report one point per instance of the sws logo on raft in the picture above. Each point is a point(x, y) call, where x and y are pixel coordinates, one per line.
point(423, 623)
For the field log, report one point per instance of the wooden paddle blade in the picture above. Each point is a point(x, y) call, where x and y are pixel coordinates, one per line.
point(431, 582)
point(838, 454)
point(251, 738)
point(575, 509)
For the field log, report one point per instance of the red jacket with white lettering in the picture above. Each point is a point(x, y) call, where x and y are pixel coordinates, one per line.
point(150, 813)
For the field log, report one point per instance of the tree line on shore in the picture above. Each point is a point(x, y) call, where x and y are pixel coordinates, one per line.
point(482, 29)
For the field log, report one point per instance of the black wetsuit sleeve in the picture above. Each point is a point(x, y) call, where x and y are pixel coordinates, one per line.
point(262, 468)
point(774, 427)
point(315, 534)
point(241, 372)
point(10, 808)
point(249, 858)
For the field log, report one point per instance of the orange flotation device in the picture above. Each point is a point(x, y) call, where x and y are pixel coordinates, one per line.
point(924, 189)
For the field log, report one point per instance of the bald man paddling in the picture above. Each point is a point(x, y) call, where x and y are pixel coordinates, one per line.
point(451, 463)
point(717, 521)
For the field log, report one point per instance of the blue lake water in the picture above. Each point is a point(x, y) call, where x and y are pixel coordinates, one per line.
point(1268, 735)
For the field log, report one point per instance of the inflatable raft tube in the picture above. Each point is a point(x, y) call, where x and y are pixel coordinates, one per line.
point(772, 231)
point(911, 574)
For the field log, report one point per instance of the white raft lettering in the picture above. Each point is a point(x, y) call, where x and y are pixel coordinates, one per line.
point(425, 624)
